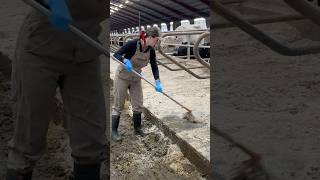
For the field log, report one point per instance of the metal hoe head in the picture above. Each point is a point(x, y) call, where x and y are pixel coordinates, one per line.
point(189, 117)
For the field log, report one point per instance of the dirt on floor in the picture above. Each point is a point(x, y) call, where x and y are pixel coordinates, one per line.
point(6, 122)
point(149, 157)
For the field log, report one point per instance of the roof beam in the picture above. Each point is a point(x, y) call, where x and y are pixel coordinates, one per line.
point(153, 14)
point(181, 3)
point(145, 7)
point(130, 7)
point(179, 13)
point(124, 19)
point(153, 9)
point(122, 24)
point(206, 2)
point(117, 21)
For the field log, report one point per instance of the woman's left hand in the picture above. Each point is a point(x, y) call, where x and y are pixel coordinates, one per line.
point(158, 86)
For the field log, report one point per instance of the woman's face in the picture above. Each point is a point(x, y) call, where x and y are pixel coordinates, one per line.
point(152, 41)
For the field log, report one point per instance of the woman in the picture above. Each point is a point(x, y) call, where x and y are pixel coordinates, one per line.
point(137, 54)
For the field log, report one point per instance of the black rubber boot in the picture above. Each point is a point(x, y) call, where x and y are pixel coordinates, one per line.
point(14, 175)
point(86, 171)
point(137, 124)
point(115, 124)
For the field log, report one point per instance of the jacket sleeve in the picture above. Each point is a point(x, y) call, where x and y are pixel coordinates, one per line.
point(127, 49)
point(154, 65)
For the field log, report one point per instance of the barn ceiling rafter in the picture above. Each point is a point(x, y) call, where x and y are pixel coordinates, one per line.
point(125, 13)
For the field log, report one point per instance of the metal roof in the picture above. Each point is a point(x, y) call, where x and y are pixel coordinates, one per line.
point(125, 13)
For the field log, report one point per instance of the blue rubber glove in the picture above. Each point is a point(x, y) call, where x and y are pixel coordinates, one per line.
point(60, 15)
point(158, 86)
point(128, 65)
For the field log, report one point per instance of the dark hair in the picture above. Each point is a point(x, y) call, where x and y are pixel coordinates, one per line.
point(153, 31)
